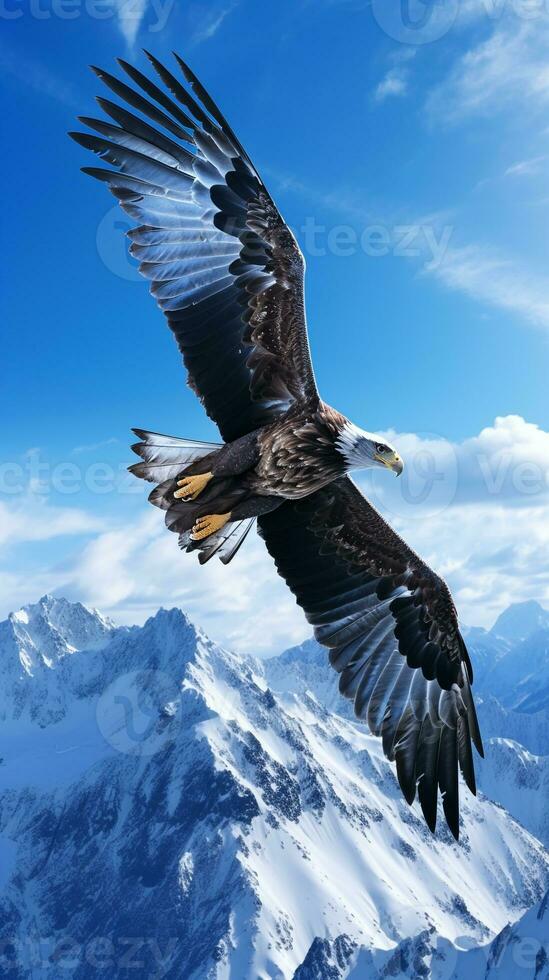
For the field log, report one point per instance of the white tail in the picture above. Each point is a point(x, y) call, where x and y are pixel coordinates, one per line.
point(164, 457)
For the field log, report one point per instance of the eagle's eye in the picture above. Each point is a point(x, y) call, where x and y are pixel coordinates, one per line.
point(380, 448)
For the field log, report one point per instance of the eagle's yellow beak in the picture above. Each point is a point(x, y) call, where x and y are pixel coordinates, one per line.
point(392, 462)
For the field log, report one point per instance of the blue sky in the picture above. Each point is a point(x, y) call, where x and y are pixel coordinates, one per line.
point(411, 160)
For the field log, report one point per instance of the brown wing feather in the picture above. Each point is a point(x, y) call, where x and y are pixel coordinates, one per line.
point(391, 628)
point(277, 328)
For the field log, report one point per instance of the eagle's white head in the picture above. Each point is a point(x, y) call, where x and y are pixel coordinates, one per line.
point(362, 449)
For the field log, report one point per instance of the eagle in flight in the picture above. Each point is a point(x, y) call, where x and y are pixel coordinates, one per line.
point(229, 275)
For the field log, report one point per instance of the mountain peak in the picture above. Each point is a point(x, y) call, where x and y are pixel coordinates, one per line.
point(520, 620)
point(53, 627)
point(171, 631)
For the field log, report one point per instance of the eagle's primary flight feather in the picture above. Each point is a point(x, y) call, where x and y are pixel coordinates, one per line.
point(228, 274)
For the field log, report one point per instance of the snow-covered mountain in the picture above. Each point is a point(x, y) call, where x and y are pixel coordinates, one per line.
point(529, 730)
point(38, 676)
point(519, 950)
point(519, 780)
point(520, 679)
point(166, 803)
point(512, 693)
point(520, 620)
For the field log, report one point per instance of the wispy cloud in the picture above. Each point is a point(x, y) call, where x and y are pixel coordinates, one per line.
point(93, 447)
point(531, 167)
point(343, 201)
point(32, 518)
point(509, 67)
point(37, 76)
point(526, 168)
point(129, 15)
point(496, 280)
point(211, 23)
point(395, 83)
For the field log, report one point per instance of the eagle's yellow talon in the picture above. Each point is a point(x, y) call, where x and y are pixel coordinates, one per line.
point(192, 486)
point(205, 526)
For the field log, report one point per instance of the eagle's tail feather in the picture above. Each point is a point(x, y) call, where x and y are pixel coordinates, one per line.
point(164, 457)
point(225, 543)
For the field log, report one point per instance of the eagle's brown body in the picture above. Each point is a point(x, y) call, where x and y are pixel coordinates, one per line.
point(286, 460)
point(298, 454)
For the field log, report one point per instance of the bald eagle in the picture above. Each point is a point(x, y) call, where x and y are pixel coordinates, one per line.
point(228, 274)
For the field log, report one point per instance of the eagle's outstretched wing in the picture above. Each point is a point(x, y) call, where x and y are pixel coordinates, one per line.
point(224, 267)
point(391, 628)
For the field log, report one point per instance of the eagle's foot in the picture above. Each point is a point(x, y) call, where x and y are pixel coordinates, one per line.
point(209, 525)
point(192, 486)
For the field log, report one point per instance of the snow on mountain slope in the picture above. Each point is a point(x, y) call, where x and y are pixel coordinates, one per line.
point(519, 952)
point(174, 802)
point(529, 730)
point(486, 649)
point(54, 628)
point(520, 620)
point(36, 645)
point(515, 771)
point(519, 781)
point(520, 680)
point(305, 668)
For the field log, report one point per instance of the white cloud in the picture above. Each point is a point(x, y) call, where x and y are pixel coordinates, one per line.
point(93, 447)
point(490, 555)
point(477, 511)
point(507, 463)
point(496, 280)
point(496, 11)
point(40, 78)
point(18, 589)
point(507, 68)
point(33, 518)
point(129, 15)
point(526, 168)
point(395, 83)
point(211, 24)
